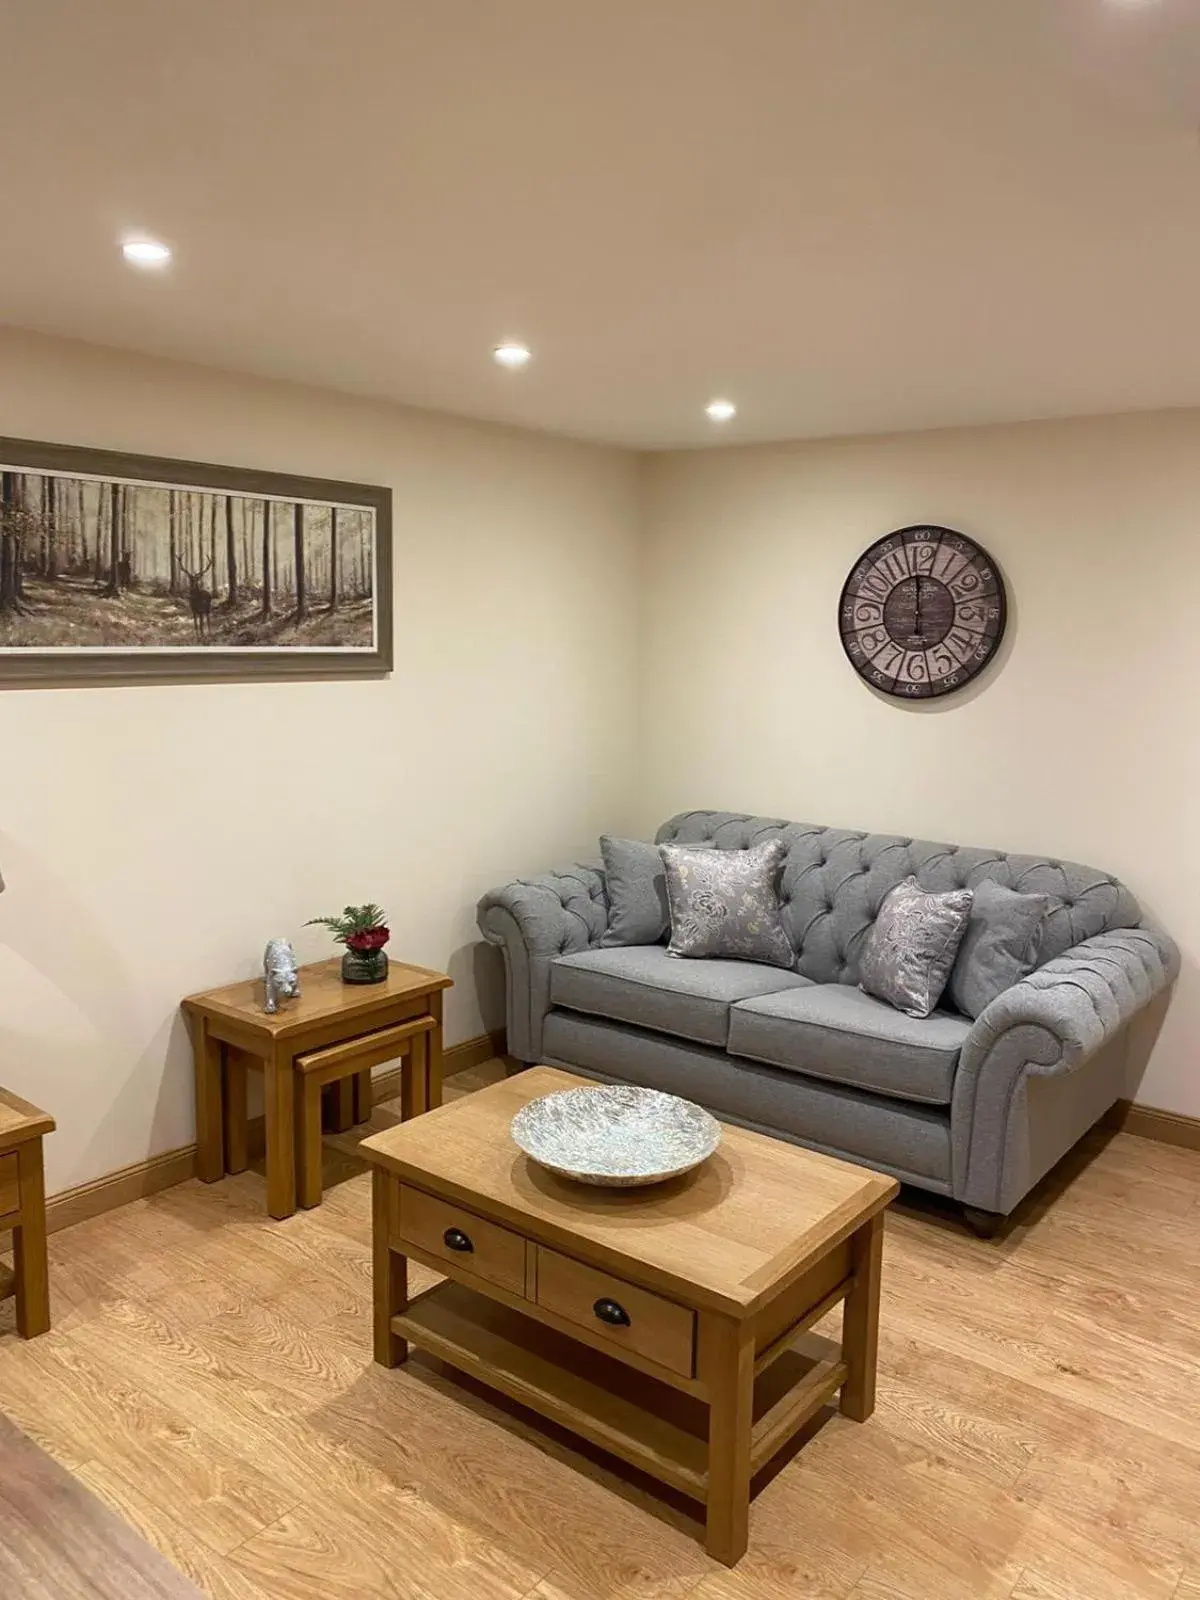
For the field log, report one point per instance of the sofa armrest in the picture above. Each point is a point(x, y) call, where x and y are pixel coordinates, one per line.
point(535, 920)
point(1048, 1026)
point(1082, 997)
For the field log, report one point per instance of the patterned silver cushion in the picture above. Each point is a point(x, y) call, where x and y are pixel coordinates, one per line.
point(726, 903)
point(911, 947)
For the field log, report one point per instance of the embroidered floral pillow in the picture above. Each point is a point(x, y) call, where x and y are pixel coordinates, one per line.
point(912, 945)
point(726, 903)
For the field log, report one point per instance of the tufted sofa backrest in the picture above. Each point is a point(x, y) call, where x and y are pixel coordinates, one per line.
point(834, 881)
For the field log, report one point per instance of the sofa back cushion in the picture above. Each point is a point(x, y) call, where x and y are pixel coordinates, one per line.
point(834, 881)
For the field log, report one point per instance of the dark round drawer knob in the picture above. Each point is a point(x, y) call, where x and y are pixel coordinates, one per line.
point(612, 1312)
point(456, 1239)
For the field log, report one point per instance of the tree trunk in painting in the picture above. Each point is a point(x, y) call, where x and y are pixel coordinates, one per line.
point(83, 544)
point(52, 514)
point(114, 539)
point(266, 559)
point(8, 542)
point(244, 524)
point(301, 597)
point(20, 506)
point(333, 553)
point(128, 531)
point(43, 554)
point(230, 555)
point(173, 543)
point(101, 502)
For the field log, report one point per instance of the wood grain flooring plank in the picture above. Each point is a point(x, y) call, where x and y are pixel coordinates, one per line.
point(214, 1575)
point(107, 1418)
point(58, 1542)
point(549, 1506)
point(309, 1555)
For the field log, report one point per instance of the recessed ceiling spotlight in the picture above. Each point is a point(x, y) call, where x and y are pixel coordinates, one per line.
point(511, 355)
point(720, 410)
point(146, 252)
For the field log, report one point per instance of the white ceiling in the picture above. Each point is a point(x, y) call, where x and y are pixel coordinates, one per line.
point(846, 215)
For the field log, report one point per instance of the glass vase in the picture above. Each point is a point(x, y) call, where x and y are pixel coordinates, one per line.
point(364, 966)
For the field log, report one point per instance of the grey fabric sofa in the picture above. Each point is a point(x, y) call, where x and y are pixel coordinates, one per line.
point(978, 1111)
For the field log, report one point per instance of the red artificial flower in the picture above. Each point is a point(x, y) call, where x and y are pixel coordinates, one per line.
point(369, 939)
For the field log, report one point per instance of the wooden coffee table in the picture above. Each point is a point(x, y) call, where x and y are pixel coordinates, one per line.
point(667, 1325)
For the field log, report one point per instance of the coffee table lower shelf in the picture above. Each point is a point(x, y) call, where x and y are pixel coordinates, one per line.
point(648, 1424)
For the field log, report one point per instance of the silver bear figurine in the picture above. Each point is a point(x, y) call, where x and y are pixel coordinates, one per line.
point(281, 973)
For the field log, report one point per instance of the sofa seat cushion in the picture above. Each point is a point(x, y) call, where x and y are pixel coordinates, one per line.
point(832, 1031)
point(643, 985)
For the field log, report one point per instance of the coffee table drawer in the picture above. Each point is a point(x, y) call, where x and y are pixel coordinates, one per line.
point(632, 1318)
point(10, 1195)
point(463, 1240)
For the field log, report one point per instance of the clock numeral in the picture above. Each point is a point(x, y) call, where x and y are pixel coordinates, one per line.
point(915, 668)
point(943, 662)
point(923, 556)
point(867, 614)
point(892, 566)
point(888, 658)
point(962, 643)
point(875, 585)
point(947, 560)
point(965, 584)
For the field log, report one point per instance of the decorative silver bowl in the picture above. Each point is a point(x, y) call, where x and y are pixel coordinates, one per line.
point(616, 1135)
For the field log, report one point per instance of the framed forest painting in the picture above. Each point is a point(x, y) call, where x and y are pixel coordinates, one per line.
point(124, 567)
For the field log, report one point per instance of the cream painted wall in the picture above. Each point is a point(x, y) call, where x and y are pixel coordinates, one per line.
point(1082, 741)
point(153, 838)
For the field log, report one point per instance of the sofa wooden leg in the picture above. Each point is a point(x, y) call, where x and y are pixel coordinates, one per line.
point(983, 1224)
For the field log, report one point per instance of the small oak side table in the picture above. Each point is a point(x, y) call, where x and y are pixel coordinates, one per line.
point(231, 1032)
point(23, 1210)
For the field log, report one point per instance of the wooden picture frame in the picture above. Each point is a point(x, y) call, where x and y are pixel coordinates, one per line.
point(104, 559)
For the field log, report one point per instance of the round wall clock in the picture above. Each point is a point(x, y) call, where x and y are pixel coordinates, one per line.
point(922, 613)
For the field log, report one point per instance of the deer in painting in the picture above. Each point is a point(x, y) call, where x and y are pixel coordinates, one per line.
point(199, 598)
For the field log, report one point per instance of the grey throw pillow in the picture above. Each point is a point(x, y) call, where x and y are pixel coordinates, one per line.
point(912, 945)
point(726, 903)
point(1000, 946)
point(637, 891)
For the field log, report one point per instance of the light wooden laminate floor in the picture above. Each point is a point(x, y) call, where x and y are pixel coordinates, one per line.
point(1037, 1435)
point(59, 1542)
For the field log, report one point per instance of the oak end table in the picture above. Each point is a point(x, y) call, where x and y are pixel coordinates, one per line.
point(669, 1325)
point(23, 1210)
point(332, 1033)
